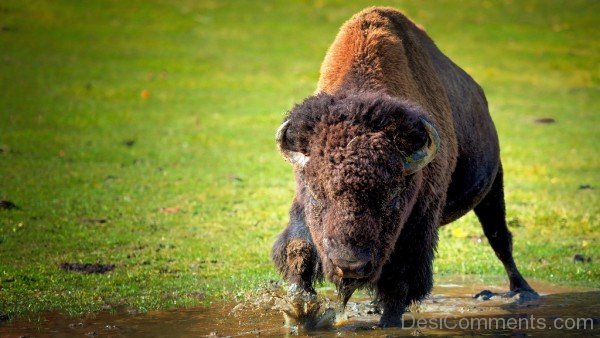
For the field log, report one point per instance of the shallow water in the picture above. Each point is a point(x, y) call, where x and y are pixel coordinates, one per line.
point(450, 310)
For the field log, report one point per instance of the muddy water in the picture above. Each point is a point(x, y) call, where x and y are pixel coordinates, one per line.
point(450, 310)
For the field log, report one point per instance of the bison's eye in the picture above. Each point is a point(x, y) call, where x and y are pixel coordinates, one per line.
point(394, 200)
point(393, 204)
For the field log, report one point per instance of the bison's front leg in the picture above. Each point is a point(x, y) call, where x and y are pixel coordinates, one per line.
point(303, 305)
point(408, 275)
point(399, 287)
point(392, 298)
point(296, 258)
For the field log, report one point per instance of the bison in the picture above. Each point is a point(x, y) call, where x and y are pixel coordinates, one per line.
point(396, 142)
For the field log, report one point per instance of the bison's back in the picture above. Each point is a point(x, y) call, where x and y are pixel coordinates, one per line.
point(478, 148)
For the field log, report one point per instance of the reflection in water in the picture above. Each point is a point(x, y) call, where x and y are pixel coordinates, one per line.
point(450, 310)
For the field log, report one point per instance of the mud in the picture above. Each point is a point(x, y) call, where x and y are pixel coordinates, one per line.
point(450, 310)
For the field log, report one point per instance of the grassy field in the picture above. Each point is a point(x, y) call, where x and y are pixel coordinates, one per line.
point(141, 134)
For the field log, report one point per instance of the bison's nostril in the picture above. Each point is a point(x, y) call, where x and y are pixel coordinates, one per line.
point(352, 269)
point(350, 261)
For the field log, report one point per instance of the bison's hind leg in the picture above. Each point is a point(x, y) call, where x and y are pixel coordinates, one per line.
point(492, 216)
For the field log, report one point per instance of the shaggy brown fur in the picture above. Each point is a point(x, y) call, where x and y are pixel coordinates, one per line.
point(358, 218)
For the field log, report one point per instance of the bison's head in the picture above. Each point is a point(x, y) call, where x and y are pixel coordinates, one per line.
point(358, 159)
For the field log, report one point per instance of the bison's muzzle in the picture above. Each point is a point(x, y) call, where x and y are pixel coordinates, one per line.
point(350, 262)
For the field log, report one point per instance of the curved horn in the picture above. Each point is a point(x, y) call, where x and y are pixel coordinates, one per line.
point(423, 156)
point(294, 157)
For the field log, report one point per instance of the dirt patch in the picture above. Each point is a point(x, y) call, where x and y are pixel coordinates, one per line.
point(170, 210)
point(544, 120)
point(7, 205)
point(87, 267)
point(579, 258)
point(128, 143)
point(94, 220)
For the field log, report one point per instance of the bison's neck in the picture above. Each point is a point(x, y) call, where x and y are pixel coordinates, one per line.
point(378, 50)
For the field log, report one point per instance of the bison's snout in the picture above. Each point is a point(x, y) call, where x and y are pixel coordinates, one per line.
point(350, 262)
point(352, 269)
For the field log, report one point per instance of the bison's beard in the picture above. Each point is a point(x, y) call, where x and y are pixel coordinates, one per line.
point(346, 287)
point(377, 236)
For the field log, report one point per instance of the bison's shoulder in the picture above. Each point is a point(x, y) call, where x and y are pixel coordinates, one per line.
point(368, 51)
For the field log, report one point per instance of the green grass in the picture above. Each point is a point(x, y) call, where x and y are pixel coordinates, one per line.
point(220, 76)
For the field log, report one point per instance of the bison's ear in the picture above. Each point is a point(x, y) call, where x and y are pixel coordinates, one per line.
point(420, 158)
point(288, 147)
point(293, 136)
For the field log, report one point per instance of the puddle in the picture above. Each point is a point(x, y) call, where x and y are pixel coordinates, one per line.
point(450, 310)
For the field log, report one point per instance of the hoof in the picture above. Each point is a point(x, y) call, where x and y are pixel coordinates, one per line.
point(527, 296)
point(305, 310)
point(485, 295)
point(523, 296)
point(389, 322)
point(298, 294)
